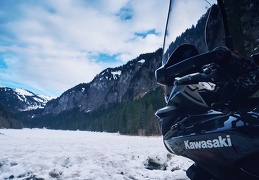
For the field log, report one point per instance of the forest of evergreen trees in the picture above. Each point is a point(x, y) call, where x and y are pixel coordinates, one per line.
point(136, 117)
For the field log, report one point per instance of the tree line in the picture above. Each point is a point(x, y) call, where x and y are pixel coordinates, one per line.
point(136, 117)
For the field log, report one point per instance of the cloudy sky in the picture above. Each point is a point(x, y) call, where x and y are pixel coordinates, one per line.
point(49, 46)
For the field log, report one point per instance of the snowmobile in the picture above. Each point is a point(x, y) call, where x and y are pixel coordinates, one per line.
point(210, 77)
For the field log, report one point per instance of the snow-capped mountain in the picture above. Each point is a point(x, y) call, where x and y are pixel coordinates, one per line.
point(17, 99)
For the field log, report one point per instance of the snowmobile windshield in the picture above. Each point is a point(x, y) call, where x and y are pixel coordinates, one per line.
point(186, 24)
point(199, 23)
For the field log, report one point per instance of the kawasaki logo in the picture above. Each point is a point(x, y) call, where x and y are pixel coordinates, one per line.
point(213, 143)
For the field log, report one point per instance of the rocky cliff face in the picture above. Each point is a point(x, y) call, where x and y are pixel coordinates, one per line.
point(113, 85)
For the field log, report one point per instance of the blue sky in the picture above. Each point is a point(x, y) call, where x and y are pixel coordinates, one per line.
point(49, 46)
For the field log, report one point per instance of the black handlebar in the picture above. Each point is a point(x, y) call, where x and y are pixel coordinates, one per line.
point(166, 75)
point(195, 78)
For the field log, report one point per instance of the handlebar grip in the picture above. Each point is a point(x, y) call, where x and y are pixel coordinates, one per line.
point(192, 79)
point(166, 75)
point(193, 64)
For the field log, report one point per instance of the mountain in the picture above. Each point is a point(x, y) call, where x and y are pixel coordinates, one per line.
point(122, 99)
point(113, 85)
point(15, 100)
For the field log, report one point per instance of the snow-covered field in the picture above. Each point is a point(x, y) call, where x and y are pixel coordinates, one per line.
point(55, 154)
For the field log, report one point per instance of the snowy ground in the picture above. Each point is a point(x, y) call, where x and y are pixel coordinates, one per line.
point(54, 154)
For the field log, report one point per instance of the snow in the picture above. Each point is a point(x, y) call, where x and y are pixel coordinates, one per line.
point(23, 92)
point(45, 98)
point(38, 99)
point(142, 61)
point(116, 72)
point(56, 154)
point(22, 99)
point(83, 89)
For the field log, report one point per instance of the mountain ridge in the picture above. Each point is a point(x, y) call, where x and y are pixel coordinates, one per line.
point(18, 99)
point(113, 85)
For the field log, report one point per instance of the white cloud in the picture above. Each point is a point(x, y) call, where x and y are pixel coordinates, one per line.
point(50, 43)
